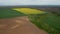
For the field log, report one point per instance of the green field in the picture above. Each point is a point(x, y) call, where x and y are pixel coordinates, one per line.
point(9, 13)
point(47, 21)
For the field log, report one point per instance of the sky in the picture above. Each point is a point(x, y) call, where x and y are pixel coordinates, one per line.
point(29, 2)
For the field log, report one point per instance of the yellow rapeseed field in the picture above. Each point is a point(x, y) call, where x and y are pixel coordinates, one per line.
point(29, 11)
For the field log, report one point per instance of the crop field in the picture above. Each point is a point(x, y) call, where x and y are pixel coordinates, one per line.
point(29, 11)
point(48, 21)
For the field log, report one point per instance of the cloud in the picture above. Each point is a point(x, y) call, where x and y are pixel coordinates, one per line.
point(29, 2)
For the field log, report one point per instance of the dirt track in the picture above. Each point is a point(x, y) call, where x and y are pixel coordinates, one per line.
point(19, 25)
